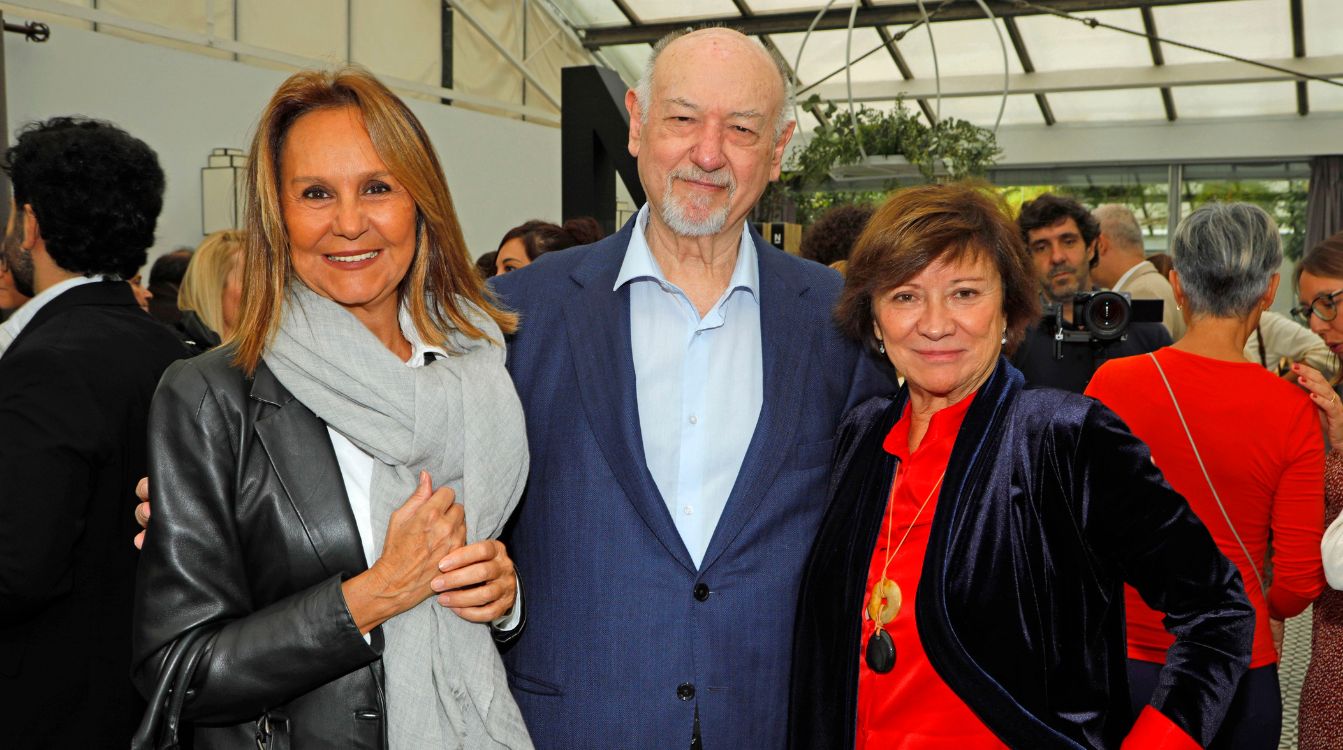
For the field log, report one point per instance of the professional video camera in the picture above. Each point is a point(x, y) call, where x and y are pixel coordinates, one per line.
point(1101, 317)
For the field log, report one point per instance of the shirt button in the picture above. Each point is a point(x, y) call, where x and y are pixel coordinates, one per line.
point(694, 419)
point(685, 691)
point(701, 592)
point(688, 510)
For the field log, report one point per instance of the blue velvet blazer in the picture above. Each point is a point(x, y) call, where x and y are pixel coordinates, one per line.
point(1049, 506)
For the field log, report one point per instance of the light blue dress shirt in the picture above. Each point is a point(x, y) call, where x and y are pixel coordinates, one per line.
point(699, 383)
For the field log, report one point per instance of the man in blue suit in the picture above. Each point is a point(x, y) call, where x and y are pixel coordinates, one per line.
point(682, 382)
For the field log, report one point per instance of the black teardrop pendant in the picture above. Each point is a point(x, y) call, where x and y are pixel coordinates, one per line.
point(880, 652)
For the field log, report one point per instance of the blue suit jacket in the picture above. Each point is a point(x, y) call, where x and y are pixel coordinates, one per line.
point(626, 640)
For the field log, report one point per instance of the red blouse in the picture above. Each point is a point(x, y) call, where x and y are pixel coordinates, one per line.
point(1260, 440)
point(910, 706)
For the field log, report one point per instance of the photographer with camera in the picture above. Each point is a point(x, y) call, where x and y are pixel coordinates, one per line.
point(1080, 329)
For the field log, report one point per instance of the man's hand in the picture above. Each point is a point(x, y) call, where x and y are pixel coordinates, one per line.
point(142, 510)
point(478, 581)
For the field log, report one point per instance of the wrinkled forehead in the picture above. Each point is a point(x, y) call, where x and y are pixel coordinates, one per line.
point(719, 71)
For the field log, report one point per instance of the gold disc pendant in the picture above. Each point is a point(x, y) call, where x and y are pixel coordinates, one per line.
point(884, 604)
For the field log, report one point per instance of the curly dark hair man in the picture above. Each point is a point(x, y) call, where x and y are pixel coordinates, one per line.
point(1050, 209)
point(79, 363)
point(831, 237)
point(96, 192)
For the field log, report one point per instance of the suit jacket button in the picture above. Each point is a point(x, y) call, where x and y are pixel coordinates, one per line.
point(685, 691)
point(701, 592)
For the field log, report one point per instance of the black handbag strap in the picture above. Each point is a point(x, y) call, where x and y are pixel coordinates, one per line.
point(162, 718)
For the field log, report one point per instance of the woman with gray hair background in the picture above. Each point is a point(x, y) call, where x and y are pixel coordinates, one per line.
point(1242, 446)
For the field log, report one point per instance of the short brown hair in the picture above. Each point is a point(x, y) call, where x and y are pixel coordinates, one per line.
point(442, 277)
point(919, 226)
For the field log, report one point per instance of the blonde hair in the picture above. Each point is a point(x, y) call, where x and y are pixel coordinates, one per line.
point(442, 275)
point(202, 289)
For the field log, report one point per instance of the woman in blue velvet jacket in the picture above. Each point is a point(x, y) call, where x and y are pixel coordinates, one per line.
point(966, 586)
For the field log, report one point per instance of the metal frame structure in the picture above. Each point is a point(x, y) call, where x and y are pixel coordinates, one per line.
point(756, 24)
point(1160, 76)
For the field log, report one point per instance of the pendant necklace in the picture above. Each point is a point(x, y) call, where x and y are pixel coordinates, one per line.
point(884, 602)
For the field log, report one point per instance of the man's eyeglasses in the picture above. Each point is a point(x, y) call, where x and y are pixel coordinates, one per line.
point(1323, 307)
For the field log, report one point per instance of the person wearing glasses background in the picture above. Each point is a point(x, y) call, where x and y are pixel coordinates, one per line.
point(1319, 282)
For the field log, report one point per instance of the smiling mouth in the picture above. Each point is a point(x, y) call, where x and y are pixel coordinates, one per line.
point(370, 255)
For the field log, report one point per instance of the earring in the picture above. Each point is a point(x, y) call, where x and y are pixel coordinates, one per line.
point(1004, 334)
point(881, 347)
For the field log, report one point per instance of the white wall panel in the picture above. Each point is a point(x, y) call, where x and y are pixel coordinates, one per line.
point(401, 39)
point(183, 104)
point(308, 28)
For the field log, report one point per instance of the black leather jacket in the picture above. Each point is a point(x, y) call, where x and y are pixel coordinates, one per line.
point(251, 537)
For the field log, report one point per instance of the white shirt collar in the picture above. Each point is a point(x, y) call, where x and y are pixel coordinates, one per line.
point(1129, 274)
point(12, 327)
point(639, 262)
point(419, 350)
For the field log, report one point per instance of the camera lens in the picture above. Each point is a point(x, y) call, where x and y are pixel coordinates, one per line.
point(1106, 315)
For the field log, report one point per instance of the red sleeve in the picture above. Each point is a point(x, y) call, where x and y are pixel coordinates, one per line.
point(1298, 520)
point(1154, 731)
point(1099, 386)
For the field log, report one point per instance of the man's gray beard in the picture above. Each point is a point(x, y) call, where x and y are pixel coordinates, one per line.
point(676, 214)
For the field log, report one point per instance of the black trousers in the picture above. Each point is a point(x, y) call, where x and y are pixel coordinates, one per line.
point(1254, 721)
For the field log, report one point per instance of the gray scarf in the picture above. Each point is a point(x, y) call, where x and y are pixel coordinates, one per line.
point(459, 419)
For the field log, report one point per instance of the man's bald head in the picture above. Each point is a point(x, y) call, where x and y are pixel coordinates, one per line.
point(730, 47)
point(1121, 228)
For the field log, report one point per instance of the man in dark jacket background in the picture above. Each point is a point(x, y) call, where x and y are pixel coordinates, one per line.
point(78, 367)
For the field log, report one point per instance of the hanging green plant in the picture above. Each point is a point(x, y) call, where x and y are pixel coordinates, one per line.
point(952, 147)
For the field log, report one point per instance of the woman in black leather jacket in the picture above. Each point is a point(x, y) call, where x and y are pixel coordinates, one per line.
point(273, 533)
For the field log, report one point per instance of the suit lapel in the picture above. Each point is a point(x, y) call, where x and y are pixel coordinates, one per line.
point(786, 343)
point(597, 323)
point(300, 452)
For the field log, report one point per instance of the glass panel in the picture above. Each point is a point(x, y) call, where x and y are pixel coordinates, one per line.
point(1323, 19)
point(592, 12)
point(1108, 106)
point(785, 6)
point(1235, 100)
point(963, 48)
point(1324, 97)
point(824, 55)
point(1060, 44)
point(628, 59)
point(1256, 29)
point(1285, 200)
point(650, 11)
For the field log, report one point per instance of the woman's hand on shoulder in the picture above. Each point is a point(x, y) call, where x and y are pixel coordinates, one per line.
point(478, 581)
point(420, 533)
point(1325, 399)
